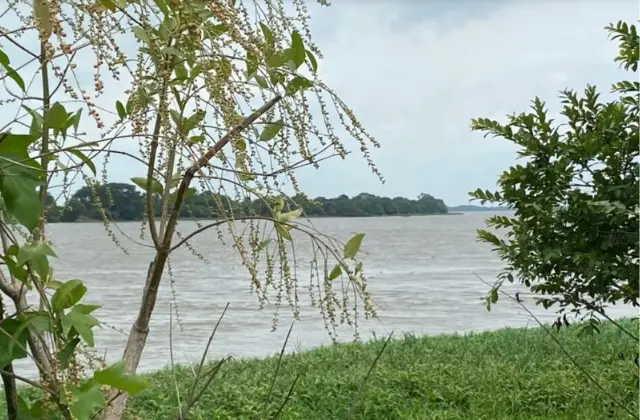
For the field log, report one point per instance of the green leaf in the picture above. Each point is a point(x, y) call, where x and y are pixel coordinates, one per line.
point(283, 231)
point(162, 5)
point(271, 130)
point(85, 309)
point(76, 120)
point(68, 294)
point(278, 205)
point(240, 144)
point(171, 51)
point(17, 271)
point(37, 319)
point(218, 30)
point(36, 254)
point(33, 250)
point(15, 77)
point(82, 323)
point(195, 72)
point(312, 60)
point(122, 112)
point(297, 51)
point(67, 351)
point(176, 117)
point(36, 122)
point(494, 295)
point(298, 84)
point(246, 176)
point(261, 81)
point(13, 341)
point(352, 246)
point(85, 159)
point(56, 117)
point(141, 34)
point(18, 187)
point(116, 377)
point(335, 273)
point(193, 121)
point(108, 4)
point(276, 59)
point(4, 59)
point(287, 217)
point(262, 245)
point(181, 72)
point(190, 192)
point(252, 65)
point(156, 186)
point(16, 144)
point(196, 139)
point(268, 35)
point(86, 399)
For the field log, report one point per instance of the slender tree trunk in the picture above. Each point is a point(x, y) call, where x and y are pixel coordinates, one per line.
point(140, 328)
point(9, 381)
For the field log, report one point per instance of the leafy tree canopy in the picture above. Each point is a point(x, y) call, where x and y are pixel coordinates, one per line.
point(574, 237)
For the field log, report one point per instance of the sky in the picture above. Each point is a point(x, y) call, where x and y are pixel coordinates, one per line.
point(416, 73)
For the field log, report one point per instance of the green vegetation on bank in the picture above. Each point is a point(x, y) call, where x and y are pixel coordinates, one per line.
point(506, 374)
point(127, 202)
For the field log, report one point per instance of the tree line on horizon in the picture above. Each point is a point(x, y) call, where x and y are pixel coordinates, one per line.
point(125, 202)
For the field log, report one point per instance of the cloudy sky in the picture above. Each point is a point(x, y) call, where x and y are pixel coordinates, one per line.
point(417, 72)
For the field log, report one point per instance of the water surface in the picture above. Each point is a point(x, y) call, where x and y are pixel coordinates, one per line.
point(421, 274)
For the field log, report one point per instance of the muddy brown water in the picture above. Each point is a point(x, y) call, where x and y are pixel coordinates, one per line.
point(421, 274)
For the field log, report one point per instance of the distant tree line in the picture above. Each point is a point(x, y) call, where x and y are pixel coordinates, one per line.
point(126, 202)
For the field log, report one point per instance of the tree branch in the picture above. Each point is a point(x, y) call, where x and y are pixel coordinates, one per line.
point(212, 225)
point(149, 297)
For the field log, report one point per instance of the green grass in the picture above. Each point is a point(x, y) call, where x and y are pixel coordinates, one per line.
point(507, 374)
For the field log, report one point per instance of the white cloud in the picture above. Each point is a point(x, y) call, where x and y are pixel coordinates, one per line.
point(416, 73)
point(417, 85)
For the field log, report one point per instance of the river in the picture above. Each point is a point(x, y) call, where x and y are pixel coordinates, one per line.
point(421, 275)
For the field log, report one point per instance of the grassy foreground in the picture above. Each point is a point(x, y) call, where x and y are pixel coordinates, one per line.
point(507, 374)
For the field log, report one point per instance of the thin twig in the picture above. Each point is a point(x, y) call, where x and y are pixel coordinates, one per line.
point(214, 224)
point(206, 349)
point(287, 397)
point(275, 374)
point(30, 382)
point(173, 367)
point(210, 376)
point(356, 400)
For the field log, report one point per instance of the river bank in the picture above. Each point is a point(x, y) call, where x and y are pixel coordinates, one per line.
point(504, 374)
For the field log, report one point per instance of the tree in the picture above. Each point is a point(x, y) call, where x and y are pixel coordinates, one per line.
point(121, 202)
point(574, 237)
point(219, 97)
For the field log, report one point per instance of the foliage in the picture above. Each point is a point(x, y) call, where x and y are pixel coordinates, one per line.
point(123, 202)
point(63, 319)
point(218, 99)
point(505, 374)
point(574, 237)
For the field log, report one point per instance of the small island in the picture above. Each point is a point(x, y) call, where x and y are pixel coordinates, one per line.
point(127, 202)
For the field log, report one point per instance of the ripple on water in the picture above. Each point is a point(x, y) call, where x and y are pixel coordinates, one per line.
point(420, 268)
